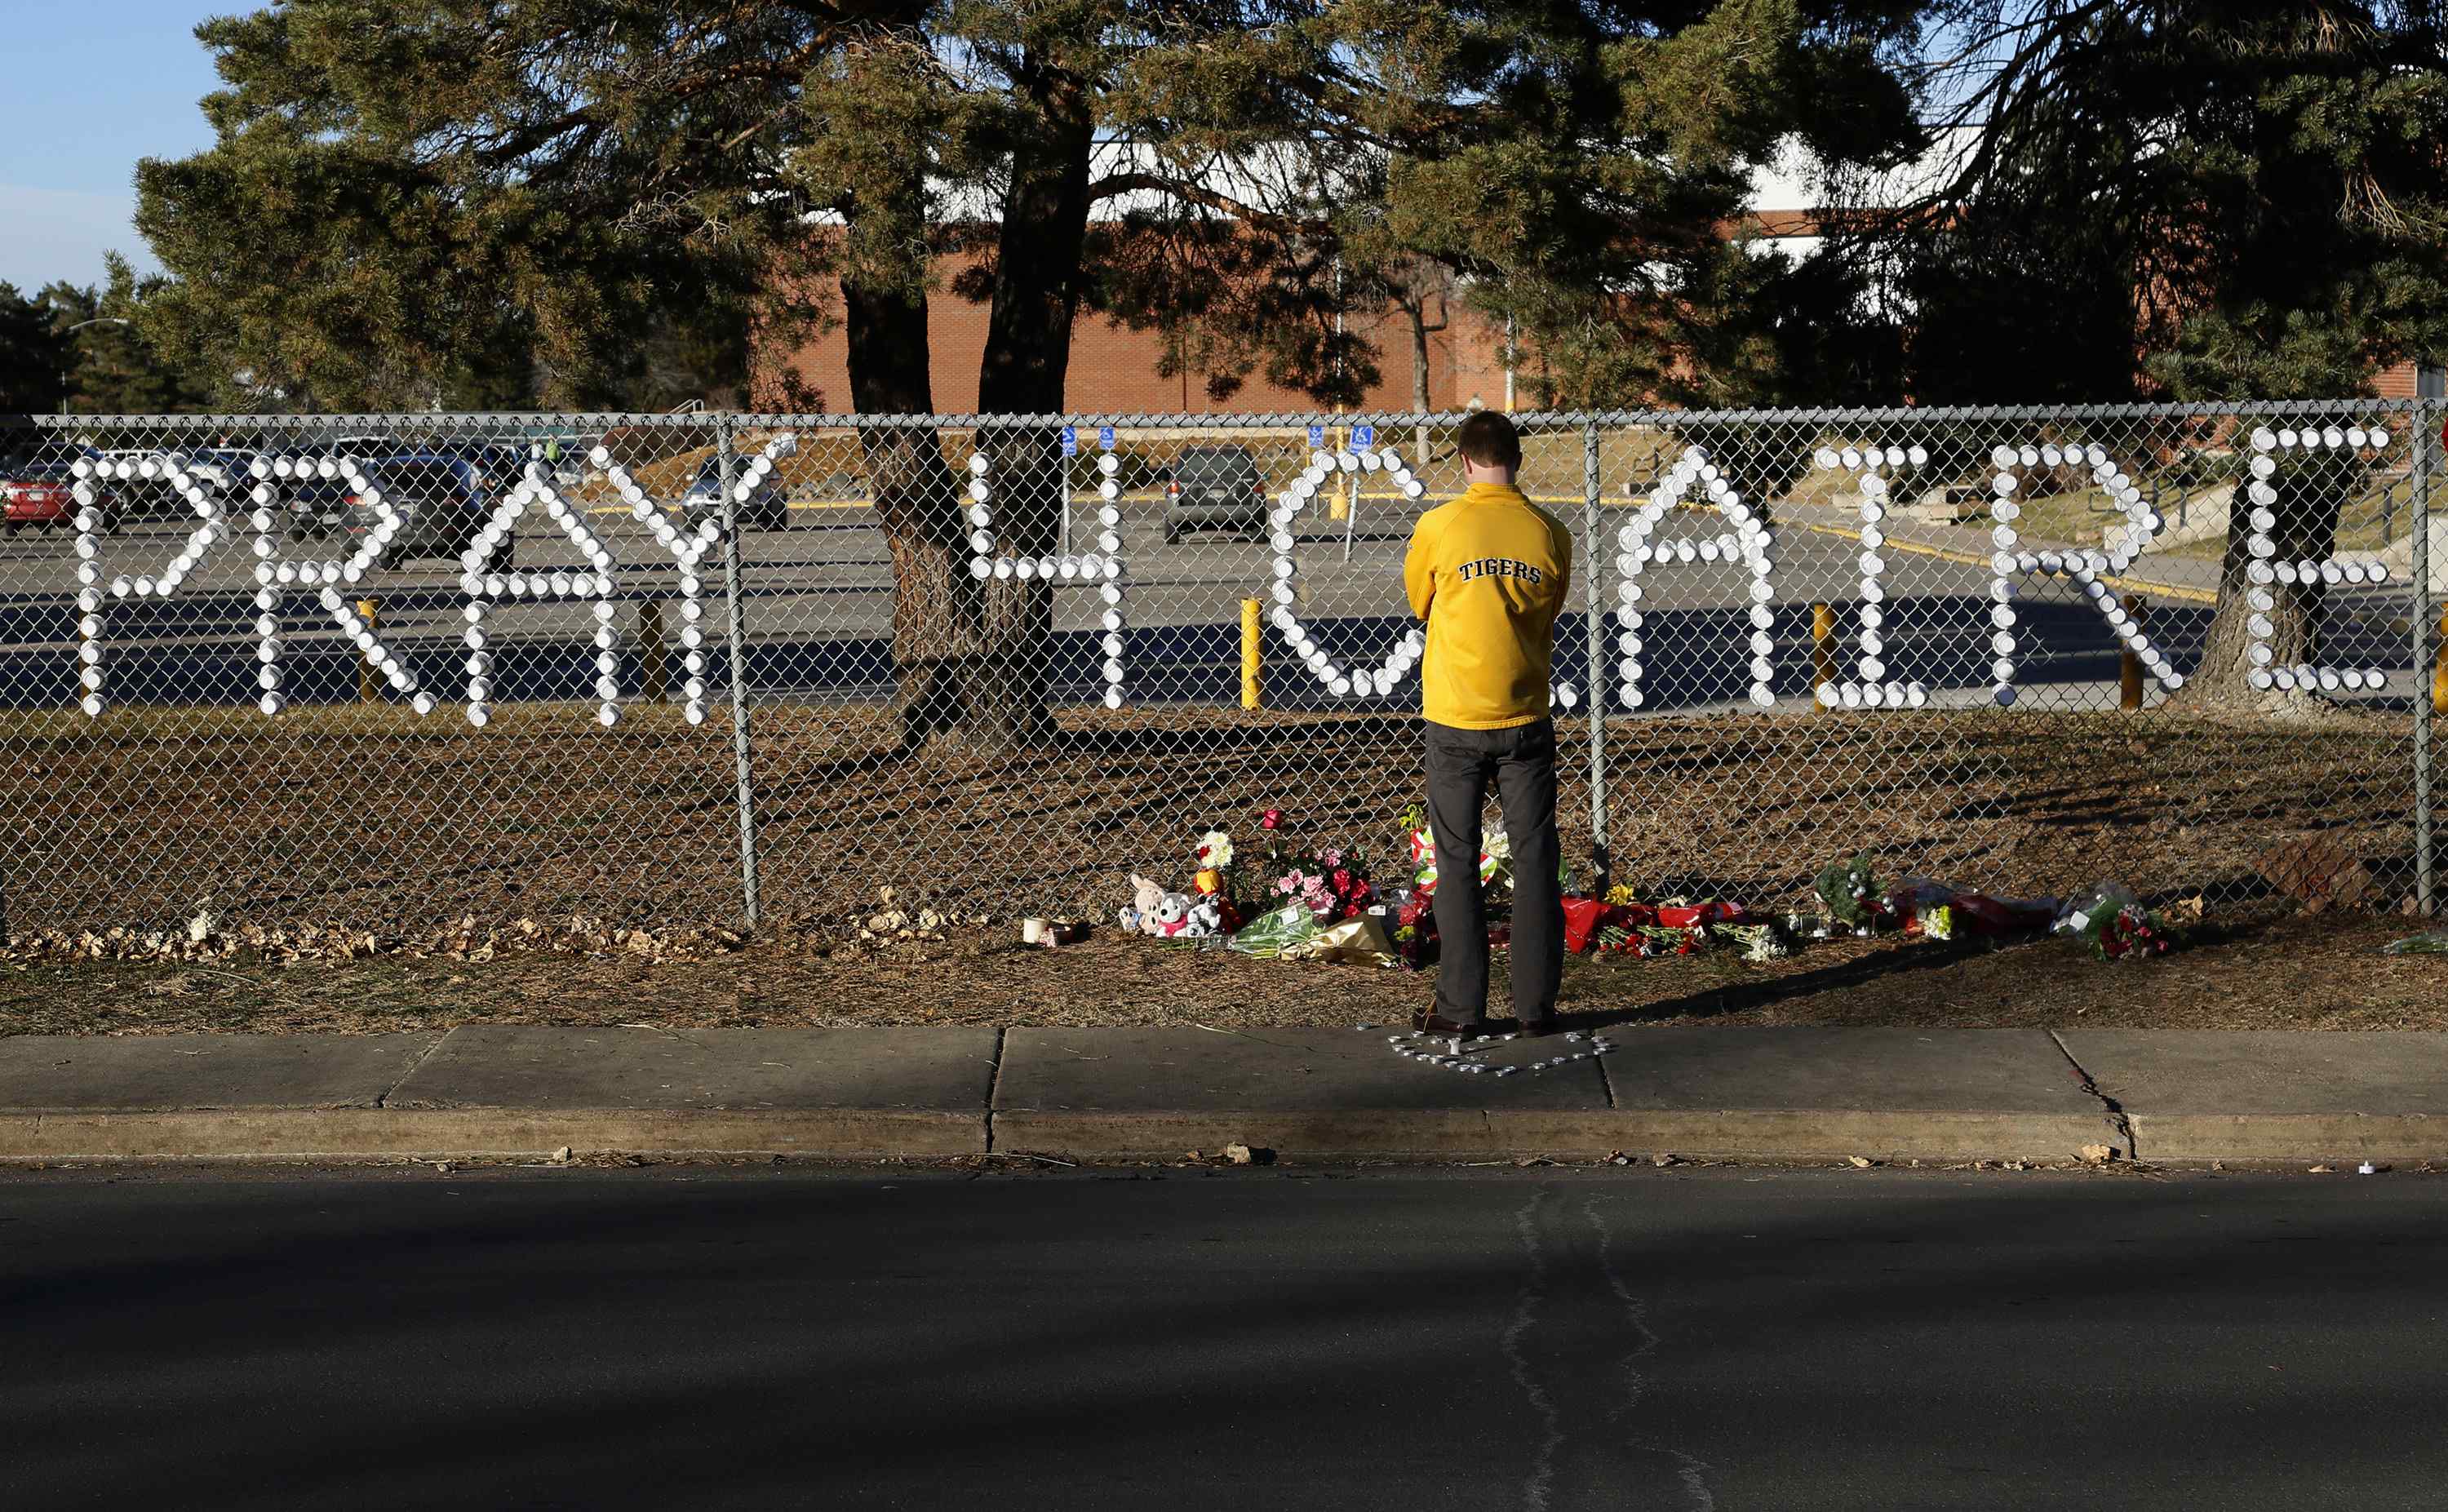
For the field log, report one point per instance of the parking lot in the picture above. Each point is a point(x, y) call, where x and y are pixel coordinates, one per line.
point(815, 598)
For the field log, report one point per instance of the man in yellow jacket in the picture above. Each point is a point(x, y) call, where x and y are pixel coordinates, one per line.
point(1488, 573)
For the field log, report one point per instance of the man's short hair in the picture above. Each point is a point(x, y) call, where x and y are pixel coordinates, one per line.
point(1488, 438)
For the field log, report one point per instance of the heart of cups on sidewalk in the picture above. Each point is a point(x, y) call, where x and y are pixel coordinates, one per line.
point(1473, 1057)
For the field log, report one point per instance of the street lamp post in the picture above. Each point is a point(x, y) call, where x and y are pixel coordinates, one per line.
point(98, 321)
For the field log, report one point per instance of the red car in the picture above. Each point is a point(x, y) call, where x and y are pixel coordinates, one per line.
point(38, 495)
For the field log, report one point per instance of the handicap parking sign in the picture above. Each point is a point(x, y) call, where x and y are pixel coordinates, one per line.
point(1363, 436)
point(1316, 436)
point(1070, 441)
point(1105, 437)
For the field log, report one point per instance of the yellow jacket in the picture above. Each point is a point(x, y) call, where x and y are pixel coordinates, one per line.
point(1487, 572)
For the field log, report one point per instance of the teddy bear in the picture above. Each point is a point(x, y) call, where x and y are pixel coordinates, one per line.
point(1140, 916)
point(1172, 916)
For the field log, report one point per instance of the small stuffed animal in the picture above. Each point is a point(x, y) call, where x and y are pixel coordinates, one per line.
point(1172, 915)
point(1206, 919)
point(1140, 917)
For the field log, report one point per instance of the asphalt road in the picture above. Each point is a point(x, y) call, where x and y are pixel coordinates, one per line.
point(713, 1337)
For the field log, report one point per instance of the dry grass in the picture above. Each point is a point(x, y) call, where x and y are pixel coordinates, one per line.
point(372, 817)
point(2246, 972)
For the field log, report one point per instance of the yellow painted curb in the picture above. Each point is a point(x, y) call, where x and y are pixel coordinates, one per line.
point(2163, 590)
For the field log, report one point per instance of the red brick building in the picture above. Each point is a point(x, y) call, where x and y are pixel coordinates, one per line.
point(1116, 370)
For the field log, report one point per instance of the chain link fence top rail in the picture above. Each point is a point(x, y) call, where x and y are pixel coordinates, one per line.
point(383, 670)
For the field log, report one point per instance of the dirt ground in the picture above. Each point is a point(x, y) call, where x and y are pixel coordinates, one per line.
point(2287, 970)
point(369, 819)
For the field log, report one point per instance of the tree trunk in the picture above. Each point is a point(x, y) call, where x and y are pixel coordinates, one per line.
point(960, 645)
point(1036, 259)
point(978, 654)
point(2312, 492)
point(969, 655)
point(1419, 314)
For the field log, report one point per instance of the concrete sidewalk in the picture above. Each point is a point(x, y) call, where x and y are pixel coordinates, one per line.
point(1802, 1094)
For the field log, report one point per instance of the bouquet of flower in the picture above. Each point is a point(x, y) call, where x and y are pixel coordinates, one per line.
point(1760, 942)
point(2116, 924)
point(1911, 901)
point(1666, 939)
point(1415, 927)
point(1587, 921)
point(1269, 935)
point(1213, 857)
point(1973, 915)
point(1333, 886)
point(1682, 913)
point(1618, 940)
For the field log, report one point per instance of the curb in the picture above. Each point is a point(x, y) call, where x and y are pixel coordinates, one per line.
point(1727, 1134)
point(350, 1134)
point(2291, 1137)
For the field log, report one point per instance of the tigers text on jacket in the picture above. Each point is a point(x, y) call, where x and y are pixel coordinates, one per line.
point(1488, 573)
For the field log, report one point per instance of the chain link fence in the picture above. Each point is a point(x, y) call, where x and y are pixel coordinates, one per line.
point(381, 670)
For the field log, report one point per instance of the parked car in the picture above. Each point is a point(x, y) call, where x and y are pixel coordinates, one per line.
point(317, 506)
point(765, 509)
point(230, 469)
point(37, 494)
point(1215, 488)
point(143, 498)
point(498, 467)
point(440, 500)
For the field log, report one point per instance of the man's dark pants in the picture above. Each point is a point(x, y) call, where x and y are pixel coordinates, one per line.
point(1522, 761)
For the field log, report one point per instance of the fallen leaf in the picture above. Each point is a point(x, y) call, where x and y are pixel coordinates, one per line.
point(2099, 1154)
point(1860, 1162)
point(1238, 1154)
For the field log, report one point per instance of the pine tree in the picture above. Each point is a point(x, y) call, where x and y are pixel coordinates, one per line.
point(32, 356)
point(119, 363)
point(2200, 201)
point(401, 198)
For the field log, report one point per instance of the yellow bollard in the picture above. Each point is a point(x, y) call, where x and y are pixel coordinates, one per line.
point(367, 609)
point(1250, 663)
point(1339, 505)
point(654, 663)
point(2439, 676)
point(2129, 666)
point(1822, 646)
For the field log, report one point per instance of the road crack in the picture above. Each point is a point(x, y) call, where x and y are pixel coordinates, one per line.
point(1574, 1343)
point(2116, 1118)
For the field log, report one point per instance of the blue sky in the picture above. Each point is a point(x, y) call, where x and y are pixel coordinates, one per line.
point(89, 87)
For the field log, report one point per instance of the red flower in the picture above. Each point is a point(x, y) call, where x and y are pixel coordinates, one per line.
point(1272, 819)
point(1342, 879)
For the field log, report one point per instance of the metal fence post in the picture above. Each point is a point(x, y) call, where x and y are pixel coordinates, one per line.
point(1594, 613)
point(753, 910)
point(2426, 436)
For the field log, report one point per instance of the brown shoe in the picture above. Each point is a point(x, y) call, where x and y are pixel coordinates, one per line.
point(1426, 1021)
point(1538, 1028)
